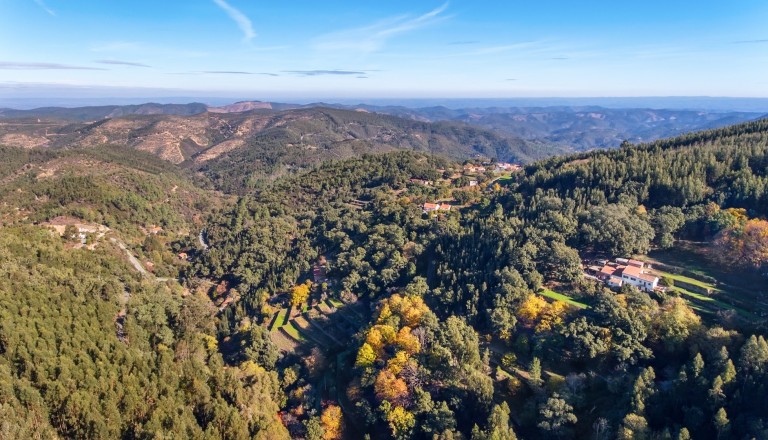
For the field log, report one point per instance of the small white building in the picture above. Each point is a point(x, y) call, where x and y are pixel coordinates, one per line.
point(615, 281)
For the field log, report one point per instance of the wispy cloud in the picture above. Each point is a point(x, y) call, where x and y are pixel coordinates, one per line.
point(122, 63)
point(45, 7)
point(371, 38)
point(238, 72)
point(463, 43)
point(327, 72)
point(8, 65)
point(223, 72)
point(750, 41)
point(243, 22)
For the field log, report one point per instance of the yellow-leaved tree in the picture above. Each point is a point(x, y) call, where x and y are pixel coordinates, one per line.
point(300, 293)
point(332, 421)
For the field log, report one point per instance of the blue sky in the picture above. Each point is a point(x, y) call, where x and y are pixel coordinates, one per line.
point(395, 48)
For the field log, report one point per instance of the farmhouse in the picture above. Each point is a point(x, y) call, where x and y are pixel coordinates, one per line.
point(626, 271)
point(637, 277)
point(432, 207)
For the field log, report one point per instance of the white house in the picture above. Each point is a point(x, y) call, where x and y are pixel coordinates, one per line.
point(635, 276)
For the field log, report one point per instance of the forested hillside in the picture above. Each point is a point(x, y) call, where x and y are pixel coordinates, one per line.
point(396, 296)
point(461, 340)
point(64, 372)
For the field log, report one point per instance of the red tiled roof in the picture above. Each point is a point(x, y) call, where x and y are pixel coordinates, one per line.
point(636, 272)
point(633, 271)
point(607, 270)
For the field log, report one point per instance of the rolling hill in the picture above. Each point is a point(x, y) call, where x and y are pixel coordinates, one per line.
point(578, 128)
point(261, 143)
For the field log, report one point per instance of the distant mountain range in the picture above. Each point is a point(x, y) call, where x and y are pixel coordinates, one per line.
point(579, 128)
point(571, 128)
point(259, 143)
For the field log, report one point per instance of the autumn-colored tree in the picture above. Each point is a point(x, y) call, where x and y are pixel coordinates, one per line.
point(409, 309)
point(332, 421)
point(747, 245)
point(390, 387)
point(537, 312)
point(300, 293)
point(553, 315)
point(401, 422)
point(398, 361)
point(365, 357)
point(530, 309)
point(380, 336)
point(407, 341)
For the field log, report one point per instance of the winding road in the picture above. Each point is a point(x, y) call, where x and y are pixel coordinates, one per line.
point(136, 263)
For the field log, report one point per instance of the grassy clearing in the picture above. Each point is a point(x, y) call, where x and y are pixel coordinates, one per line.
point(291, 331)
point(551, 294)
point(335, 303)
point(736, 289)
point(711, 304)
point(747, 289)
point(686, 279)
point(278, 320)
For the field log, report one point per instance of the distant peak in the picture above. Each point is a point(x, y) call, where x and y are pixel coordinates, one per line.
point(241, 106)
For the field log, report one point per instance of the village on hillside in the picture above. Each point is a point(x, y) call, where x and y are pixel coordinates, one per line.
point(462, 187)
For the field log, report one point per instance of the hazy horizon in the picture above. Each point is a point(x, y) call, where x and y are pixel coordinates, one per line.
point(398, 49)
point(703, 103)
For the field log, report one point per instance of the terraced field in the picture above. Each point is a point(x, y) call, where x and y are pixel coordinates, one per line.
point(326, 324)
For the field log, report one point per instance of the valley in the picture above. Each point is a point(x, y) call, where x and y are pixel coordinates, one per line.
point(382, 278)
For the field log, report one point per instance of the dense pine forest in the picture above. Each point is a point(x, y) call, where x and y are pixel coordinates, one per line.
point(336, 303)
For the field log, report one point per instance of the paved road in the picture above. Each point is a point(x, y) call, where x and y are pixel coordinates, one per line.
point(135, 262)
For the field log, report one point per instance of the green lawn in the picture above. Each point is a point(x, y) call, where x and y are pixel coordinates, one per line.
point(551, 294)
point(278, 321)
point(686, 279)
point(335, 302)
point(292, 332)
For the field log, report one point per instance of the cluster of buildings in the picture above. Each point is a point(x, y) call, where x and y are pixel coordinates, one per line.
point(504, 166)
point(625, 271)
point(434, 207)
point(496, 167)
